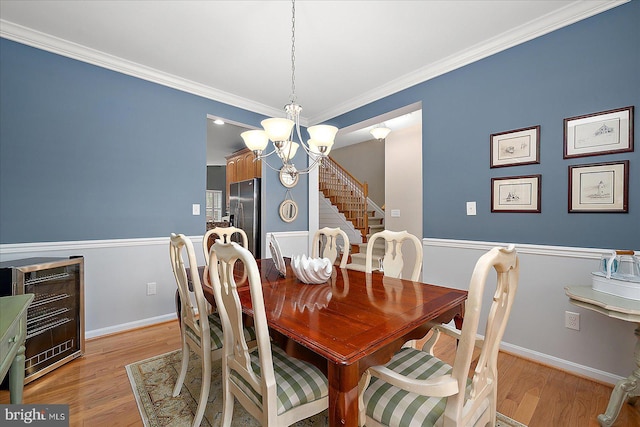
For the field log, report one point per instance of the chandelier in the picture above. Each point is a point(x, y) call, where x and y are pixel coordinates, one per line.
point(281, 131)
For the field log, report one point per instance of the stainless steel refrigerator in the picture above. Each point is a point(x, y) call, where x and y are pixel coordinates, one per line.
point(244, 211)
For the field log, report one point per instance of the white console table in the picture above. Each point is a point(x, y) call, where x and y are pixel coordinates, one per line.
point(618, 308)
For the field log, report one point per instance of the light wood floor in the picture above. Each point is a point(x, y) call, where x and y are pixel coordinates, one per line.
point(97, 388)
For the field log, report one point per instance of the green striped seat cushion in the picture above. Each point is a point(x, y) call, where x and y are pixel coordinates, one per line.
point(297, 382)
point(215, 331)
point(395, 407)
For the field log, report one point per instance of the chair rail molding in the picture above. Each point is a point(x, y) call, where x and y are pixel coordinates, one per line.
point(523, 248)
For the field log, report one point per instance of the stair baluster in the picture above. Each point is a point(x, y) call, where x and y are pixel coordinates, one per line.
point(345, 192)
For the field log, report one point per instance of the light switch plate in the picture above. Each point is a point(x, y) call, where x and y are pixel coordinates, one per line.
point(395, 213)
point(471, 208)
point(195, 208)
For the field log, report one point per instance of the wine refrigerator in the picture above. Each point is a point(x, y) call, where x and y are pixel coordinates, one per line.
point(55, 318)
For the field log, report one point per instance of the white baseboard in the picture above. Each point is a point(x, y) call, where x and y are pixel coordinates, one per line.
point(565, 365)
point(131, 325)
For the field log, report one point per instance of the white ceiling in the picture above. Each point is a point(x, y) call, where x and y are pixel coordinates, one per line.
point(348, 53)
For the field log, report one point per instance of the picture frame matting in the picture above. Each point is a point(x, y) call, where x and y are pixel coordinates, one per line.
point(515, 147)
point(599, 187)
point(596, 134)
point(519, 194)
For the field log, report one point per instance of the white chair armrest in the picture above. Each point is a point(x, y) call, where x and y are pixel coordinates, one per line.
point(441, 386)
point(454, 333)
point(425, 343)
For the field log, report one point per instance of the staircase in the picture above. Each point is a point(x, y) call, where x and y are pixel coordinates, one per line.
point(345, 192)
point(359, 251)
point(349, 196)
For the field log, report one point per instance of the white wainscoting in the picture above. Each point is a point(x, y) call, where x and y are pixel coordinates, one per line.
point(117, 272)
point(291, 243)
point(116, 277)
point(603, 347)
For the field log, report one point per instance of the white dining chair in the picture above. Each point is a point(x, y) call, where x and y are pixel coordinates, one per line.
point(224, 233)
point(275, 388)
point(325, 245)
point(392, 260)
point(417, 388)
point(203, 337)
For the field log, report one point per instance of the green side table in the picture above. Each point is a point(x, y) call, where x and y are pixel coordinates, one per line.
point(13, 332)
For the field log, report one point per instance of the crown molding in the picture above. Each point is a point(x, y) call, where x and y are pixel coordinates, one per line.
point(568, 15)
point(37, 39)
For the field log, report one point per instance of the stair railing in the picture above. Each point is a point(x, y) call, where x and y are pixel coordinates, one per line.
point(347, 193)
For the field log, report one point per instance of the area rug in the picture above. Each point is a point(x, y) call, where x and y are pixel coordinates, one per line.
point(152, 381)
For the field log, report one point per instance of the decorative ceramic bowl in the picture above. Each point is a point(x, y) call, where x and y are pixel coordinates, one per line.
point(311, 270)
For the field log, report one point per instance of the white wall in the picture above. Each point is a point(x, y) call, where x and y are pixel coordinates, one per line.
point(403, 185)
point(603, 347)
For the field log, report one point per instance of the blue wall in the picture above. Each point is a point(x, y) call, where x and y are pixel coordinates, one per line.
point(87, 153)
point(590, 66)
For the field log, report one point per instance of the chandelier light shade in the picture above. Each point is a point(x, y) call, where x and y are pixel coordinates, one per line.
point(380, 132)
point(322, 136)
point(288, 151)
point(255, 140)
point(281, 131)
point(278, 129)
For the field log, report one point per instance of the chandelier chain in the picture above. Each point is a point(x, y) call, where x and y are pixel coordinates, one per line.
point(293, 51)
point(275, 129)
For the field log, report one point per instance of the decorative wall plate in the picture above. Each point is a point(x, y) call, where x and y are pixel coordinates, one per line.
point(289, 176)
point(288, 210)
point(276, 255)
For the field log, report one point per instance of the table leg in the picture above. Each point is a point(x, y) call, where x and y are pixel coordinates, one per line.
point(343, 394)
point(626, 388)
point(16, 377)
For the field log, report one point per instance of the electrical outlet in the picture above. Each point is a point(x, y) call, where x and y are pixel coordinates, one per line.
point(151, 288)
point(572, 320)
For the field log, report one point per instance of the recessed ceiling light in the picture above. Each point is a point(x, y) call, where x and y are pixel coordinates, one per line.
point(218, 121)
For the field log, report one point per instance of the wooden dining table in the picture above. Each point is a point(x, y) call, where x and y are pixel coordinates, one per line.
point(354, 321)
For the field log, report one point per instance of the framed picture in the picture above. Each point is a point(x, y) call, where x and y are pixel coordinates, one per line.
point(599, 187)
point(516, 194)
point(515, 147)
point(599, 133)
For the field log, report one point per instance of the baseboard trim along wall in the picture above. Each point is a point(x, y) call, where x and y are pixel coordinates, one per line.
point(96, 333)
point(117, 272)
